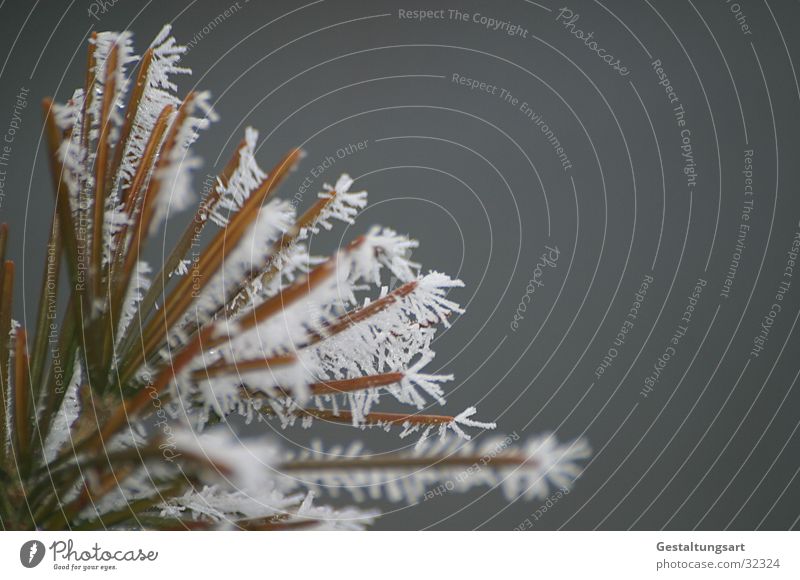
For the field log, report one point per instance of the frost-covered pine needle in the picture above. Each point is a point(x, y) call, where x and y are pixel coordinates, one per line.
point(122, 410)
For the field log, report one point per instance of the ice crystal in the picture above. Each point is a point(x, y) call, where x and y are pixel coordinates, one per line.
point(124, 413)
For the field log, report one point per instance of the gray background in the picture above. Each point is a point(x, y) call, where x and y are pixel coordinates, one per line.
point(715, 445)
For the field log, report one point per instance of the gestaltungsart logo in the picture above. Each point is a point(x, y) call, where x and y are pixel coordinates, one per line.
point(31, 553)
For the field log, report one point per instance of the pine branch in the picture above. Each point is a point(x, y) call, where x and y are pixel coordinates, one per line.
point(22, 396)
point(190, 236)
point(212, 258)
point(5, 380)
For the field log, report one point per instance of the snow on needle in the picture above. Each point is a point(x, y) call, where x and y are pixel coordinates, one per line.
point(121, 411)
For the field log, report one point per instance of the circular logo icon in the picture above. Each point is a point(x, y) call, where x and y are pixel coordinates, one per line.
point(31, 553)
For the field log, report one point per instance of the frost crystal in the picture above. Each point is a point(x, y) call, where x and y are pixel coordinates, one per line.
point(139, 391)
